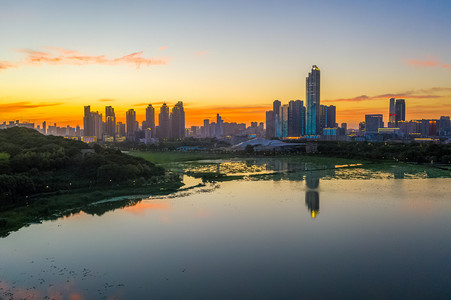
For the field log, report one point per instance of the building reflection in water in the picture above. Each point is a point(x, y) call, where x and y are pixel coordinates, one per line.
point(398, 173)
point(311, 194)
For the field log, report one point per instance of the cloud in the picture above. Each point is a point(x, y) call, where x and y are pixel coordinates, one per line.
point(201, 52)
point(164, 47)
point(106, 100)
point(17, 106)
point(6, 65)
point(429, 62)
point(61, 56)
point(436, 90)
point(413, 94)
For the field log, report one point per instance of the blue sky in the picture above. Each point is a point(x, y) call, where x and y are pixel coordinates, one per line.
point(227, 52)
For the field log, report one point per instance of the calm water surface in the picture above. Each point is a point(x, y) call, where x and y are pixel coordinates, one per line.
point(305, 235)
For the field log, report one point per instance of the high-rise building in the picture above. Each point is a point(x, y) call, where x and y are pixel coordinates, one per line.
point(219, 126)
point(206, 128)
point(313, 101)
point(149, 123)
point(164, 122)
point(400, 111)
point(88, 125)
point(277, 123)
point(362, 128)
point(131, 123)
point(331, 116)
point(270, 122)
point(284, 119)
point(120, 129)
point(44, 127)
point(110, 121)
point(178, 121)
point(92, 123)
point(296, 118)
point(392, 114)
point(373, 122)
point(322, 118)
point(444, 125)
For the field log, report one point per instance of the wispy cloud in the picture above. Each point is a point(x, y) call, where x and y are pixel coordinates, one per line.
point(429, 62)
point(413, 94)
point(6, 65)
point(201, 52)
point(164, 47)
point(18, 106)
point(106, 100)
point(61, 56)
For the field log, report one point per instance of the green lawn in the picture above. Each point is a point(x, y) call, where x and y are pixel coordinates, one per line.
point(170, 157)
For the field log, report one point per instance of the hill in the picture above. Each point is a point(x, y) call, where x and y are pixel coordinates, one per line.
point(34, 164)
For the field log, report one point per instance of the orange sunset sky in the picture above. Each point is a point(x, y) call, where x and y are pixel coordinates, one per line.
point(231, 58)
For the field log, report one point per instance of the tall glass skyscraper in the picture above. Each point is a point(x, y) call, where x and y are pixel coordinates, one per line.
point(392, 114)
point(277, 120)
point(313, 101)
point(400, 110)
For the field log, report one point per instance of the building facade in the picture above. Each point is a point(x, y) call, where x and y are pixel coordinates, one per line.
point(164, 122)
point(178, 121)
point(313, 101)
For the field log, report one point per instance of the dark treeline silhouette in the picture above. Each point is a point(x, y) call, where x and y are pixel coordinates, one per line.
point(32, 163)
point(412, 152)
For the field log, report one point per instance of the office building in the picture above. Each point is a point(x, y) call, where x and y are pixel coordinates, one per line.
point(313, 101)
point(392, 114)
point(277, 123)
point(372, 123)
point(400, 111)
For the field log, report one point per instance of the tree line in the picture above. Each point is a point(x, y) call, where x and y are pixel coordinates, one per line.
point(32, 163)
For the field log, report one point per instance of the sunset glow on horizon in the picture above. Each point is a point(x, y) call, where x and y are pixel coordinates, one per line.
point(230, 58)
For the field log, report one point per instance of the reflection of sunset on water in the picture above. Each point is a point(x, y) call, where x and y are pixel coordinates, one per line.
point(144, 206)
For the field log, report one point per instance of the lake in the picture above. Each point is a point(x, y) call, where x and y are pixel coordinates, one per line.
point(287, 230)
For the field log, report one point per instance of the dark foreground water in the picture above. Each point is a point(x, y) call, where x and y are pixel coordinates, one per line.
point(305, 237)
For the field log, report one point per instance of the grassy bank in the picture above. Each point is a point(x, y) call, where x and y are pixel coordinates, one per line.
point(176, 156)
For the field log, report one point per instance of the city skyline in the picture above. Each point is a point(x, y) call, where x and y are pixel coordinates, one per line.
point(367, 55)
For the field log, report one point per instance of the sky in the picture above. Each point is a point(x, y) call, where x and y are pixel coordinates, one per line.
point(228, 57)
